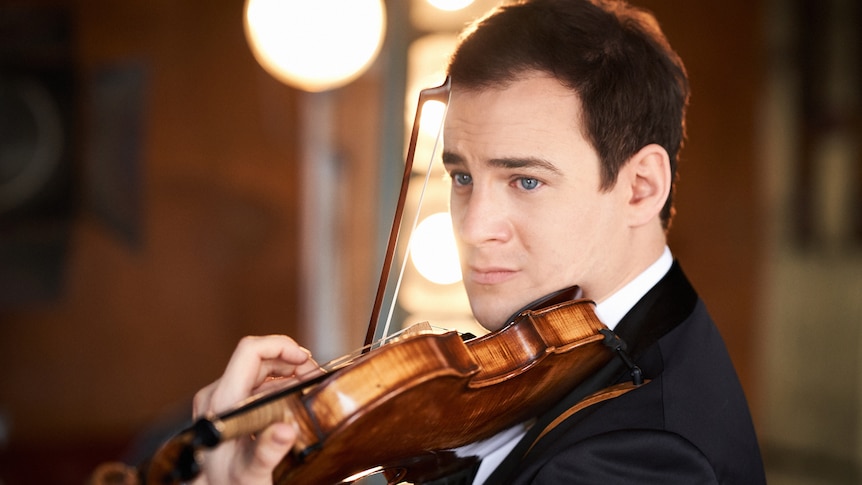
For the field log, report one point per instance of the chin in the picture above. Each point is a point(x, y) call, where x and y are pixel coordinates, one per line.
point(491, 317)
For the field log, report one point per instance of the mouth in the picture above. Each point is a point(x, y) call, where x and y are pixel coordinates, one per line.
point(490, 275)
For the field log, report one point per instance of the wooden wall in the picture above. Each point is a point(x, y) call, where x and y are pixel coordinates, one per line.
point(718, 233)
point(143, 321)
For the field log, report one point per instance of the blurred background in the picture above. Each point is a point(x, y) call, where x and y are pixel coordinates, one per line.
point(164, 192)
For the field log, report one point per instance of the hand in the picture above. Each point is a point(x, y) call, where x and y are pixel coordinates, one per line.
point(251, 369)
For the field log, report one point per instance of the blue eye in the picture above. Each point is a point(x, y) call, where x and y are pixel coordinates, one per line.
point(528, 183)
point(462, 178)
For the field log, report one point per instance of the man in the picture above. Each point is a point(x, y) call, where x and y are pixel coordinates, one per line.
point(561, 141)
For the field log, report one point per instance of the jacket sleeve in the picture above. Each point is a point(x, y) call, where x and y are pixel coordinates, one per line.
point(628, 456)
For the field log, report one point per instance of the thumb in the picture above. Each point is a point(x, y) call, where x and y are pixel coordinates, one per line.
point(270, 448)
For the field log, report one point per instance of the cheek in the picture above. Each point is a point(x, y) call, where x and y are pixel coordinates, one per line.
point(457, 221)
point(457, 208)
point(547, 242)
point(560, 240)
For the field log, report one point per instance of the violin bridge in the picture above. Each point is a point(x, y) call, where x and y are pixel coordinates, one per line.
point(421, 328)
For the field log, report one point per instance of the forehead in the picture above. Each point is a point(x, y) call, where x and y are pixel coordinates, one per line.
point(528, 113)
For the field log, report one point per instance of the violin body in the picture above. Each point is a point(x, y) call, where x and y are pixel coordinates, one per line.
point(433, 393)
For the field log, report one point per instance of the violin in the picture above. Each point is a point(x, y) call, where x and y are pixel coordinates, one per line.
point(403, 408)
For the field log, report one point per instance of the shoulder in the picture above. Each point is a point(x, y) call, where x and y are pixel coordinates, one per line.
point(689, 424)
point(629, 456)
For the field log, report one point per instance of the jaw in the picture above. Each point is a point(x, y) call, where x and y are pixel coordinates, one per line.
point(493, 305)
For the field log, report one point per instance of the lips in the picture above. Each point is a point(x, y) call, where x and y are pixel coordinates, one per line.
point(490, 275)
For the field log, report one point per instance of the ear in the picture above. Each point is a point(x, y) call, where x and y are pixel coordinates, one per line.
point(649, 181)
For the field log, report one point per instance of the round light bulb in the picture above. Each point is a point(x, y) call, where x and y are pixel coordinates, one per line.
point(433, 250)
point(432, 117)
point(450, 5)
point(315, 45)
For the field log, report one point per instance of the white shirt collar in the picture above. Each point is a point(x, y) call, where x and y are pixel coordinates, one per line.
point(614, 308)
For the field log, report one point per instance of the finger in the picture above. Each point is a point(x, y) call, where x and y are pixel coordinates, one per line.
point(269, 449)
point(201, 403)
point(279, 368)
point(271, 347)
point(254, 359)
point(308, 369)
point(276, 382)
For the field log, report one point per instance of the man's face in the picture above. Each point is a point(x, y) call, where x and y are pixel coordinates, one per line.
point(526, 204)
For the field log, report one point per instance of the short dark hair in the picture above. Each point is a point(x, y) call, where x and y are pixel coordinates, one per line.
point(633, 87)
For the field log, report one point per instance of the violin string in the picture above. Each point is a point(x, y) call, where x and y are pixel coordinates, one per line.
point(346, 359)
point(397, 290)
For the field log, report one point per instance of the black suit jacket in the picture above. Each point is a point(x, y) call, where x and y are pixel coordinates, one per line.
point(690, 424)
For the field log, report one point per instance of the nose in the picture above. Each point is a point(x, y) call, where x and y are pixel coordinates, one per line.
point(479, 218)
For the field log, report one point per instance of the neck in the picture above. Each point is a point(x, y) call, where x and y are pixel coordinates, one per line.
point(642, 250)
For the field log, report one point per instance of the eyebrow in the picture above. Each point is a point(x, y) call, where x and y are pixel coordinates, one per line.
point(451, 159)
